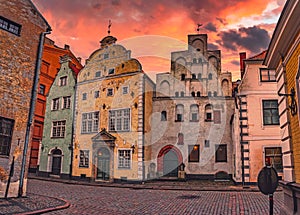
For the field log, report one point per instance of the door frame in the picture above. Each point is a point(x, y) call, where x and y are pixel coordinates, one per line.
point(97, 163)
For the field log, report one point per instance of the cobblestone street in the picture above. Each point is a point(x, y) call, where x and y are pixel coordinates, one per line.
point(114, 200)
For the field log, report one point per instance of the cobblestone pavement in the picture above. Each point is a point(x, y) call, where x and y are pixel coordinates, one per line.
point(124, 201)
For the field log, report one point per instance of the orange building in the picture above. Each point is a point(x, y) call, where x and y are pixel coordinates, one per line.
point(49, 69)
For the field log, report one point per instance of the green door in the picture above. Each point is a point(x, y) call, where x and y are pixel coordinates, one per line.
point(170, 164)
point(103, 161)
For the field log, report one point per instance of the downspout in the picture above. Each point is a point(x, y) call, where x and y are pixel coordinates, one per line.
point(73, 127)
point(143, 147)
point(32, 107)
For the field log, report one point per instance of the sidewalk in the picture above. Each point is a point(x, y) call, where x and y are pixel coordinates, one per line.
point(38, 204)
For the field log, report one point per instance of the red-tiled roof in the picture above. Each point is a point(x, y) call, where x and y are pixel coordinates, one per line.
point(260, 56)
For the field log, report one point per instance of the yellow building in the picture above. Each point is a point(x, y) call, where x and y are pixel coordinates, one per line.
point(284, 56)
point(112, 117)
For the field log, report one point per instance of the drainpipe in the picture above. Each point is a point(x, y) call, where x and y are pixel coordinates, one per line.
point(73, 128)
point(143, 147)
point(32, 107)
point(242, 146)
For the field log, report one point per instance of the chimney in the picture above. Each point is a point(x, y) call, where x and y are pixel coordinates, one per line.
point(67, 47)
point(242, 63)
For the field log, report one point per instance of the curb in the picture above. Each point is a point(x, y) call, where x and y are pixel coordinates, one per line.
point(46, 210)
point(152, 187)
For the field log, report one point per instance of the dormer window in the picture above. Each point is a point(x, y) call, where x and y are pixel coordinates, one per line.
point(111, 71)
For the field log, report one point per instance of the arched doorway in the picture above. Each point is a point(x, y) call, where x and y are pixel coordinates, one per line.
point(103, 162)
point(56, 161)
point(170, 164)
point(168, 161)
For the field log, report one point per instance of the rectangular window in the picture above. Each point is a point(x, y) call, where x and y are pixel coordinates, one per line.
point(119, 120)
point(267, 75)
point(221, 153)
point(58, 128)
point(10, 26)
point(217, 117)
point(98, 74)
point(84, 158)
point(55, 104)
point(97, 94)
point(125, 90)
point(273, 157)
point(106, 55)
point(163, 116)
point(90, 122)
point(124, 159)
point(42, 89)
point(194, 151)
point(270, 112)
point(84, 96)
point(111, 71)
point(110, 92)
point(208, 117)
point(63, 81)
point(6, 131)
point(67, 102)
point(206, 143)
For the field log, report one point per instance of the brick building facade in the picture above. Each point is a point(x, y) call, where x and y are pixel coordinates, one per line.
point(22, 31)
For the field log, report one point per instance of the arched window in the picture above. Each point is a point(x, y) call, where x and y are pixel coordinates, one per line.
point(198, 94)
point(163, 116)
point(182, 94)
point(194, 113)
point(179, 113)
point(200, 60)
point(209, 94)
point(215, 94)
point(194, 60)
point(209, 76)
point(208, 113)
point(182, 77)
point(176, 94)
point(193, 94)
point(193, 76)
point(199, 76)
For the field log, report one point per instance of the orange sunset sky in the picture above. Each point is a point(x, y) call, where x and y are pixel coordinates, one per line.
point(152, 29)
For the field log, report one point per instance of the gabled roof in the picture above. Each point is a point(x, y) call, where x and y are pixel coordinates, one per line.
point(42, 17)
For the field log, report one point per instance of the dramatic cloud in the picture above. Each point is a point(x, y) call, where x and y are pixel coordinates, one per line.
point(253, 39)
point(82, 24)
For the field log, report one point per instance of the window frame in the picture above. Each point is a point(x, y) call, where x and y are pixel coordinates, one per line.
point(42, 89)
point(111, 71)
point(11, 26)
point(96, 94)
point(125, 92)
point(268, 75)
point(84, 158)
point(219, 147)
point(66, 102)
point(84, 96)
point(119, 121)
point(177, 114)
point(98, 74)
point(126, 161)
point(90, 122)
point(59, 127)
point(196, 111)
point(55, 104)
point(264, 109)
point(63, 81)
point(6, 135)
point(194, 149)
point(273, 156)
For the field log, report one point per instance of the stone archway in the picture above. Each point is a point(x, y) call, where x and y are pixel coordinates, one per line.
point(168, 161)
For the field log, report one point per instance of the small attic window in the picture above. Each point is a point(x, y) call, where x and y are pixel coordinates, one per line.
point(111, 71)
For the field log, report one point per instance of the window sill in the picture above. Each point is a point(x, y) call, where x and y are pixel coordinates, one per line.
point(124, 168)
point(194, 120)
point(57, 137)
point(179, 120)
point(83, 167)
point(208, 120)
point(221, 161)
point(93, 132)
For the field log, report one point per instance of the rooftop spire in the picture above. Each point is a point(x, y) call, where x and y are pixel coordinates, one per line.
point(109, 25)
point(198, 28)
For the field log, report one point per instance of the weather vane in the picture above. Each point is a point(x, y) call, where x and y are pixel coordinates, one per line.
point(198, 29)
point(109, 25)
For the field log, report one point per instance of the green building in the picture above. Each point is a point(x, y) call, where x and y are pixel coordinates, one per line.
point(56, 148)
